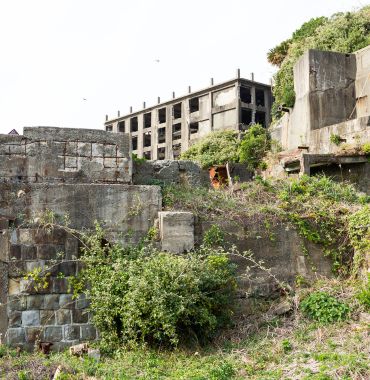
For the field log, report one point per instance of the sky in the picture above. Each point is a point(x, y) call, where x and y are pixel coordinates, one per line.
point(68, 63)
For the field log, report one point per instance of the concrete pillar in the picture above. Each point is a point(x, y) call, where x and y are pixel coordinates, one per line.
point(3, 298)
point(238, 73)
point(176, 231)
point(253, 96)
point(212, 82)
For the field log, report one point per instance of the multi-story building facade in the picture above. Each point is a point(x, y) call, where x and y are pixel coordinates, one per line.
point(167, 129)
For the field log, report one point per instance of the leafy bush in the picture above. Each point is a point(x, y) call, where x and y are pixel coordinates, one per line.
point(254, 145)
point(214, 237)
point(322, 307)
point(343, 32)
point(142, 296)
point(215, 149)
point(218, 148)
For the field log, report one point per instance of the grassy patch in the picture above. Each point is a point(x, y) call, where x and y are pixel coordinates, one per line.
point(259, 346)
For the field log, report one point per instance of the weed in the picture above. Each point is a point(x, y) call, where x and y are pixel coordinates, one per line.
point(335, 139)
point(322, 307)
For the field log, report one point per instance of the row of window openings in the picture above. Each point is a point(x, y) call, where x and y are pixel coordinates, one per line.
point(161, 153)
point(162, 117)
point(176, 135)
point(246, 119)
point(245, 96)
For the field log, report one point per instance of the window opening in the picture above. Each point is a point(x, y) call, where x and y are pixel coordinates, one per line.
point(162, 115)
point(194, 105)
point(176, 109)
point(161, 135)
point(176, 131)
point(133, 124)
point(260, 98)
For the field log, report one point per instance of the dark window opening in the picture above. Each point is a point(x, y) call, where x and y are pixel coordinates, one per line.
point(176, 110)
point(162, 115)
point(161, 135)
point(176, 131)
point(133, 124)
point(134, 143)
point(147, 155)
point(147, 139)
point(161, 154)
point(194, 105)
point(176, 151)
point(260, 118)
point(194, 127)
point(246, 116)
point(147, 120)
point(245, 95)
point(260, 98)
point(121, 127)
point(109, 128)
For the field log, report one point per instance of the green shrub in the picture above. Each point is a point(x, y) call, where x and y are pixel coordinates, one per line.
point(219, 148)
point(215, 149)
point(142, 296)
point(322, 307)
point(254, 145)
point(214, 237)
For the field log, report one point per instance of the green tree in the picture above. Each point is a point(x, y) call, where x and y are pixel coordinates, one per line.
point(254, 145)
point(342, 32)
point(215, 149)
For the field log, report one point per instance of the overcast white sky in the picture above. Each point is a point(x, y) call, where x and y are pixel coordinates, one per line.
point(55, 53)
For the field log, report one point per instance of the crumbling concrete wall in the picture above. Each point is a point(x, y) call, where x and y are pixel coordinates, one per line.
point(46, 154)
point(363, 82)
point(169, 172)
point(331, 88)
point(84, 175)
point(281, 249)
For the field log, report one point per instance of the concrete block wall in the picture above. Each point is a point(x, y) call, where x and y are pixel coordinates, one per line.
point(186, 173)
point(46, 313)
point(84, 175)
point(46, 154)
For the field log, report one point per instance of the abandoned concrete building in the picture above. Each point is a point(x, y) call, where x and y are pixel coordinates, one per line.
point(165, 130)
point(330, 121)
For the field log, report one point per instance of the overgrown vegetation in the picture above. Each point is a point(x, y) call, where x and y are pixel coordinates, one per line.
point(342, 32)
point(141, 296)
point(323, 307)
point(322, 211)
point(219, 148)
point(260, 345)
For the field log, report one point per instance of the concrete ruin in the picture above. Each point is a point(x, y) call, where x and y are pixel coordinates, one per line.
point(85, 175)
point(167, 129)
point(330, 121)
